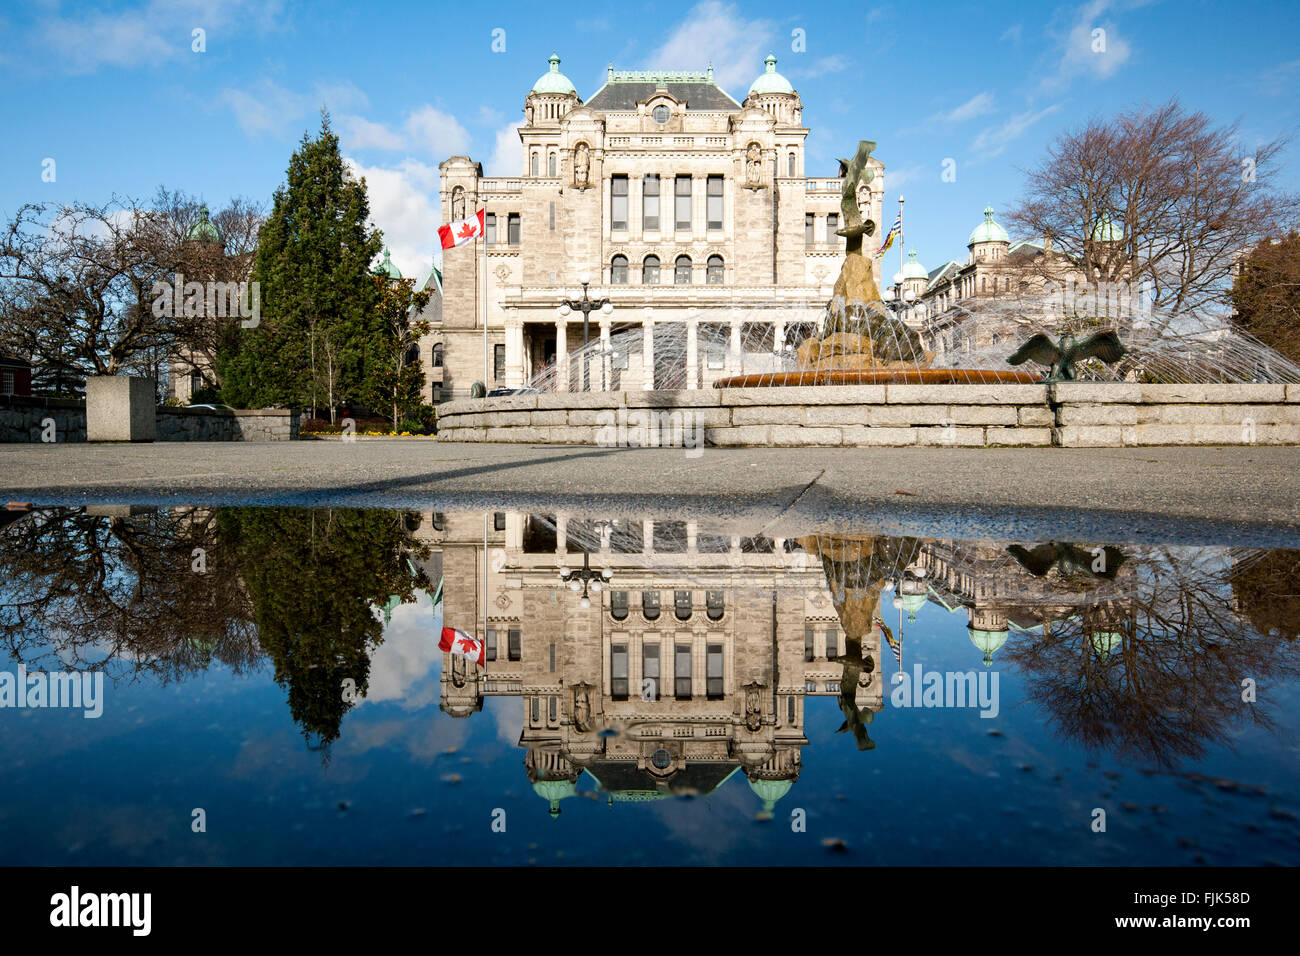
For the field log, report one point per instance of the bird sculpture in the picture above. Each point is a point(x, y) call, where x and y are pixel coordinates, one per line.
point(1061, 358)
point(1069, 559)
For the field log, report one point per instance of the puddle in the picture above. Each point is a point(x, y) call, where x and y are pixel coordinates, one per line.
point(253, 686)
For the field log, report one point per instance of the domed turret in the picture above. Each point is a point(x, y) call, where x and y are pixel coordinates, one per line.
point(204, 230)
point(770, 81)
point(553, 81)
point(1106, 231)
point(913, 269)
point(770, 791)
point(553, 791)
point(987, 642)
point(988, 231)
point(387, 268)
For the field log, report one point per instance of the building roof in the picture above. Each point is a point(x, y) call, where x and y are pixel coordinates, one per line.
point(553, 81)
point(623, 89)
point(770, 81)
point(387, 267)
point(988, 230)
point(203, 230)
point(913, 269)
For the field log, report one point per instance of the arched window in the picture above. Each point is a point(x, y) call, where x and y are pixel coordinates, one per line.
point(713, 271)
point(983, 284)
point(533, 164)
point(792, 162)
point(650, 271)
point(682, 271)
point(437, 355)
point(618, 270)
point(550, 165)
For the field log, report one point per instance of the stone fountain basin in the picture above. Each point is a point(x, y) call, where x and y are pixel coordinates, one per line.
point(880, 376)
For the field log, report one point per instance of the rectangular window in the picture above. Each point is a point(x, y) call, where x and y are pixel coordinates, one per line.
point(512, 229)
point(618, 671)
point(618, 202)
point(437, 394)
point(490, 228)
point(650, 671)
point(682, 195)
point(832, 223)
point(682, 671)
point(650, 203)
point(809, 225)
point(807, 644)
point(552, 217)
point(717, 355)
point(714, 204)
point(498, 521)
point(713, 672)
point(832, 643)
point(498, 362)
point(552, 658)
point(515, 649)
point(9, 383)
point(490, 644)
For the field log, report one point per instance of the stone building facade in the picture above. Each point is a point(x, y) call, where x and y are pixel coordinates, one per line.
point(692, 212)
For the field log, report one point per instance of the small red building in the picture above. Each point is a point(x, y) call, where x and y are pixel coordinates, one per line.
point(15, 376)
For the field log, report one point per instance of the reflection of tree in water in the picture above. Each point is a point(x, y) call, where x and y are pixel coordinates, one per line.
point(83, 590)
point(120, 592)
point(856, 568)
point(1267, 589)
point(1156, 675)
point(314, 579)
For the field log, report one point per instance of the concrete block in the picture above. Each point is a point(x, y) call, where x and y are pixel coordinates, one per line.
point(556, 416)
point(1037, 437)
point(838, 415)
point(1293, 393)
point(952, 436)
point(966, 394)
point(795, 435)
point(1224, 434)
point(1088, 436)
point(1282, 434)
point(767, 415)
point(984, 415)
point(504, 403)
point(1222, 393)
point(1188, 414)
point(808, 395)
point(869, 435)
point(746, 436)
point(904, 415)
point(1094, 392)
point(675, 398)
point(1097, 414)
point(120, 408)
point(1039, 416)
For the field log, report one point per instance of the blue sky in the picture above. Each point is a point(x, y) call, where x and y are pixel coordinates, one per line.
point(117, 97)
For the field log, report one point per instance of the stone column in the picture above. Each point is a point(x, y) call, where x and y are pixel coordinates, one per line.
point(514, 327)
point(778, 335)
point(648, 537)
point(648, 350)
point(692, 359)
point(561, 354)
point(734, 347)
point(561, 536)
point(606, 360)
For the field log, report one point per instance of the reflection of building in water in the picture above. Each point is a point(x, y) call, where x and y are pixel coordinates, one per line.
point(690, 667)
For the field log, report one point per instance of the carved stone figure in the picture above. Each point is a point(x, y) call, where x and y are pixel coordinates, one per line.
point(753, 705)
point(582, 707)
point(581, 166)
point(754, 166)
point(457, 203)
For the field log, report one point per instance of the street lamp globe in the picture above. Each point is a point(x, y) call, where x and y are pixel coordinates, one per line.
point(607, 308)
point(585, 278)
point(565, 310)
point(910, 295)
point(585, 603)
point(898, 278)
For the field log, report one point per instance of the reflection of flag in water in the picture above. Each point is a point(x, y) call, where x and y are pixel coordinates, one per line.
point(894, 642)
point(895, 231)
point(458, 642)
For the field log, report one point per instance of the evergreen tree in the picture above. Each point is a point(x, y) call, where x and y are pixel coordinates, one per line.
point(397, 385)
point(317, 341)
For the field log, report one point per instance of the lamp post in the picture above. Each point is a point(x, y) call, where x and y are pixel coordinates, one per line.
point(586, 305)
point(585, 577)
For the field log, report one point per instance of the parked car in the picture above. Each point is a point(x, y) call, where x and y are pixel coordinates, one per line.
point(497, 392)
point(213, 408)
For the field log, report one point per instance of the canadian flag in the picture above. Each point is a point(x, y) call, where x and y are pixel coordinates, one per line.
point(458, 642)
point(461, 231)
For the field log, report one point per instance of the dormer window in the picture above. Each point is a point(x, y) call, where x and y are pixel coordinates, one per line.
point(661, 114)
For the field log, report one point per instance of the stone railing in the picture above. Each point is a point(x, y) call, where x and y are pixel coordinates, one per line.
point(28, 420)
point(1065, 415)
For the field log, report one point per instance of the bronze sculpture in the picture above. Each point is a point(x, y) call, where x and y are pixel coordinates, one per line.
point(1062, 357)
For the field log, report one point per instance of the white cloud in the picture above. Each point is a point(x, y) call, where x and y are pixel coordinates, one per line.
point(436, 133)
point(717, 33)
point(994, 140)
point(978, 105)
point(404, 204)
point(507, 155)
point(357, 132)
point(266, 108)
point(835, 63)
point(1092, 46)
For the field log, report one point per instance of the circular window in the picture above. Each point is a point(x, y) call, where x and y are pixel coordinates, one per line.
point(661, 759)
point(661, 114)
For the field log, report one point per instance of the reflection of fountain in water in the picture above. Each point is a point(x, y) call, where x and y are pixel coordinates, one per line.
point(1192, 348)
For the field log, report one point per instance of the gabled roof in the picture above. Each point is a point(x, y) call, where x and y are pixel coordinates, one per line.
point(943, 272)
point(624, 89)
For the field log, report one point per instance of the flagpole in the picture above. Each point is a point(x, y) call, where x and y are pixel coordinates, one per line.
point(483, 238)
point(900, 235)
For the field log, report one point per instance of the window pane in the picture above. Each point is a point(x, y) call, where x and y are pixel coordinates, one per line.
point(713, 672)
point(618, 605)
point(515, 642)
point(714, 272)
point(650, 669)
point(650, 271)
point(682, 271)
point(512, 229)
point(715, 202)
point(650, 203)
point(715, 603)
point(683, 203)
point(498, 362)
point(807, 644)
point(682, 605)
point(550, 165)
point(832, 643)
point(490, 645)
point(618, 671)
point(682, 672)
point(490, 227)
point(618, 270)
point(498, 521)
point(809, 224)
point(618, 204)
point(532, 165)
point(650, 605)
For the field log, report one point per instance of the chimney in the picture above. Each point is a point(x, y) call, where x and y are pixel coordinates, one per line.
point(1047, 243)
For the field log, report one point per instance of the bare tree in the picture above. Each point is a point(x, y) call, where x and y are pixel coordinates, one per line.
point(1160, 197)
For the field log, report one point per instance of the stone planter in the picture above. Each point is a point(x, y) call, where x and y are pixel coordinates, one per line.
point(120, 408)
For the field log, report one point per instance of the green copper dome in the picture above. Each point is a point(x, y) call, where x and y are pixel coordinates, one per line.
point(913, 603)
point(553, 791)
point(203, 230)
point(770, 81)
point(913, 269)
point(770, 791)
point(553, 81)
point(1106, 231)
point(987, 642)
point(1103, 642)
point(988, 230)
point(387, 268)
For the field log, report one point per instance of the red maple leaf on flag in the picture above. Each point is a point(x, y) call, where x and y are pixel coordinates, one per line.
point(467, 231)
point(468, 646)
